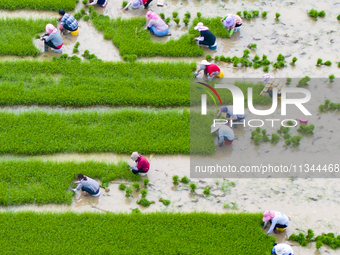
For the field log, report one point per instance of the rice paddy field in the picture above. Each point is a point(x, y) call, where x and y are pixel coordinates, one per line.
point(116, 89)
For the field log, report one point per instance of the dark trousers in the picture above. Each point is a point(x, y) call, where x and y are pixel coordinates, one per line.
point(89, 191)
point(278, 225)
point(227, 140)
point(146, 5)
point(139, 171)
point(205, 43)
point(49, 43)
point(238, 25)
point(68, 28)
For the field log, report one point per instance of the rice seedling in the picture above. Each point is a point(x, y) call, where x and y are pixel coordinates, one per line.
point(252, 46)
point(288, 81)
point(75, 48)
point(82, 11)
point(275, 138)
point(290, 123)
point(162, 15)
point(175, 14)
point(245, 13)
point(175, 179)
point(122, 186)
point(187, 15)
point(303, 82)
point(67, 5)
point(246, 53)
point(313, 13)
point(249, 16)
point(167, 20)
point(255, 13)
point(111, 237)
point(199, 14)
point(319, 62)
point(136, 210)
point(286, 136)
point(186, 21)
point(85, 2)
point(144, 202)
point(277, 16)
point(86, 17)
point(136, 185)
point(206, 191)
point(146, 182)
point(128, 192)
point(331, 77)
point(208, 57)
point(144, 192)
point(90, 8)
point(322, 14)
point(130, 58)
point(216, 59)
point(77, 16)
point(239, 13)
point(293, 61)
point(327, 63)
point(164, 201)
point(296, 140)
point(338, 17)
point(318, 244)
point(185, 179)
point(264, 14)
point(306, 129)
point(266, 69)
point(177, 20)
point(192, 187)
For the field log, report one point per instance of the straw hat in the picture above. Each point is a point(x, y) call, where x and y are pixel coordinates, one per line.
point(200, 27)
point(229, 20)
point(204, 62)
point(136, 3)
point(135, 155)
point(215, 127)
point(268, 215)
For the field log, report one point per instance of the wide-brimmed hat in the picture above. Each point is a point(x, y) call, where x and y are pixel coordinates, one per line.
point(268, 215)
point(229, 20)
point(50, 29)
point(281, 249)
point(135, 155)
point(151, 15)
point(205, 62)
point(215, 127)
point(267, 77)
point(200, 27)
point(136, 3)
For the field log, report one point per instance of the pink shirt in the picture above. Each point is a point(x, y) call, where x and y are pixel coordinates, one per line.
point(143, 163)
point(159, 24)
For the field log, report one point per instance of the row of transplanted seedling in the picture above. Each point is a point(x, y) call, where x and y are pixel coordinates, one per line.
point(260, 135)
point(328, 239)
point(329, 106)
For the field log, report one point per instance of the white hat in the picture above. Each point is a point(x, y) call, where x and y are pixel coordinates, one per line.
point(282, 248)
point(215, 127)
point(267, 77)
point(135, 155)
point(205, 62)
point(200, 27)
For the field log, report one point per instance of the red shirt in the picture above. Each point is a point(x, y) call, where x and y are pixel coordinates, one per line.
point(144, 1)
point(143, 163)
point(212, 68)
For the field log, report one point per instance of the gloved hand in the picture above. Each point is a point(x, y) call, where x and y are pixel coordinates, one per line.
point(74, 190)
point(196, 73)
point(231, 32)
point(210, 78)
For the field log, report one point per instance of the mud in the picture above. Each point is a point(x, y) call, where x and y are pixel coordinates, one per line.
point(311, 203)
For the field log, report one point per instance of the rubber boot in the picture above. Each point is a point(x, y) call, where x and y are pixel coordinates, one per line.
point(46, 47)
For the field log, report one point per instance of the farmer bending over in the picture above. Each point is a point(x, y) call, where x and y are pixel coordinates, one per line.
point(67, 22)
point(87, 185)
point(206, 37)
point(282, 249)
point(156, 25)
point(232, 22)
point(135, 4)
point(230, 115)
point(211, 70)
point(276, 219)
point(270, 84)
point(142, 164)
point(53, 40)
point(101, 3)
point(224, 132)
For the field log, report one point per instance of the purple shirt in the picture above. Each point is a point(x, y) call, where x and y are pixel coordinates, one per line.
point(159, 24)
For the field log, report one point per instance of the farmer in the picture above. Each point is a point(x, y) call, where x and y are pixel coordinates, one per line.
point(206, 37)
point(142, 164)
point(87, 185)
point(156, 25)
point(67, 22)
point(282, 249)
point(211, 70)
point(101, 3)
point(232, 22)
point(276, 219)
point(270, 84)
point(224, 132)
point(230, 115)
point(53, 40)
point(135, 4)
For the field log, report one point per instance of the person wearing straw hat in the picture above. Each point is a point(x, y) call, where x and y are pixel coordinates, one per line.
point(101, 3)
point(211, 70)
point(270, 84)
point(53, 40)
point(135, 4)
point(142, 164)
point(224, 132)
point(87, 185)
point(206, 37)
point(229, 111)
point(67, 22)
point(282, 249)
point(232, 22)
point(156, 25)
point(276, 219)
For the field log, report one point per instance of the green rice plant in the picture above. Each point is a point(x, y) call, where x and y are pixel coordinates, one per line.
point(199, 14)
point(77, 16)
point(216, 59)
point(118, 230)
point(306, 129)
point(303, 82)
point(136, 210)
point(67, 5)
point(146, 182)
point(277, 16)
point(286, 136)
point(37, 36)
point(296, 140)
point(130, 57)
point(245, 13)
point(86, 17)
point(301, 239)
point(89, 56)
point(91, 9)
point(167, 20)
point(144, 192)
point(75, 48)
point(186, 21)
point(283, 130)
point(162, 15)
point(338, 17)
point(331, 77)
point(206, 191)
point(239, 13)
point(175, 179)
point(319, 62)
point(275, 138)
point(208, 57)
point(187, 15)
point(136, 185)
point(252, 46)
point(228, 59)
point(125, 3)
point(16, 35)
point(322, 14)
point(185, 179)
point(313, 13)
point(85, 2)
point(236, 62)
point(175, 15)
point(246, 53)
point(318, 244)
point(122, 186)
point(144, 202)
point(266, 69)
point(192, 187)
point(280, 57)
point(249, 16)
point(82, 11)
point(73, 185)
point(288, 81)
point(177, 20)
point(255, 13)
point(164, 201)
point(288, 142)
point(327, 63)
point(264, 14)
point(257, 139)
point(293, 61)
point(128, 191)
point(290, 123)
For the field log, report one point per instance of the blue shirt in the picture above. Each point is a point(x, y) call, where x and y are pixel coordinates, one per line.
point(229, 110)
point(225, 131)
point(70, 21)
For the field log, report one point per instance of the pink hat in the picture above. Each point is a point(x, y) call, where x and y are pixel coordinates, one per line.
point(50, 29)
point(268, 215)
point(151, 15)
point(229, 20)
